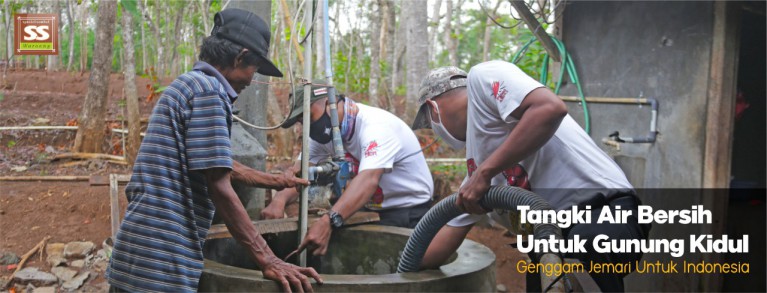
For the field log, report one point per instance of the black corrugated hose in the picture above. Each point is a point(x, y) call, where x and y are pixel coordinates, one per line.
point(497, 197)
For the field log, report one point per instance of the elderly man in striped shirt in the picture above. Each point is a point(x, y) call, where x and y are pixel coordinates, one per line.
point(184, 169)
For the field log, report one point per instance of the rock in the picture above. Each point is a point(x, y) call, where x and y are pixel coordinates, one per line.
point(101, 255)
point(44, 290)
point(4, 283)
point(18, 168)
point(55, 252)
point(63, 273)
point(78, 250)
point(77, 263)
point(54, 248)
point(50, 149)
point(35, 277)
point(40, 121)
point(18, 288)
point(8, 258)
point(501, 288)
point(100, 266)
point(56, 260)
point(30, 288)
point(75, 283)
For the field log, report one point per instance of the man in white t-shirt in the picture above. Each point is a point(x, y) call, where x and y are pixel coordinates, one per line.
point(517, 132)
point(392, 177)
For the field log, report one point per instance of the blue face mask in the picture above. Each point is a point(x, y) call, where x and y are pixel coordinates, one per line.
point(320, 130)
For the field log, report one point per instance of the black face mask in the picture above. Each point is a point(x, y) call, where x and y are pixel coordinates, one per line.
point(320, 130)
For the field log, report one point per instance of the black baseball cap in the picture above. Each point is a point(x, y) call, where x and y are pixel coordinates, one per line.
point(248, 30)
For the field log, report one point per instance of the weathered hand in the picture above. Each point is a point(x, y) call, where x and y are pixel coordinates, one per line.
point(318, 237)
point(289, 180)
point(290, 276)
point(471, 192)
point(275, 210)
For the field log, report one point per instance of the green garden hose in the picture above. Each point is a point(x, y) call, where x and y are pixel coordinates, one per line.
point(567, 65)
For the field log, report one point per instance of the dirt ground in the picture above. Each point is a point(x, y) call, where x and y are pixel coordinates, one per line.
point(77, 211)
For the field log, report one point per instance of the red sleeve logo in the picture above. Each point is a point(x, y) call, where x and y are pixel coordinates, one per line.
point(471, 166)
point(517, 176)
point(372, 149)
point(499, 93)
point(377, 200)
point(355, 164)
point(378, 197)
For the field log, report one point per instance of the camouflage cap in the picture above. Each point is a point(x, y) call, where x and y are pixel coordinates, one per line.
point(319, 91)
point(437, 82)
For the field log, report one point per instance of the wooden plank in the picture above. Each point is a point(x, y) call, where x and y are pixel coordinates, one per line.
point(87, 156)
point(44, 178)
point(114, 204)
point(98, 180)
point(537, 29)
point(719, 125)
point(290, 224)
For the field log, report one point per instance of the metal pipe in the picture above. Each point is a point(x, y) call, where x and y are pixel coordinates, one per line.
point(303, 216)
point(654, 105)
point(338, 148)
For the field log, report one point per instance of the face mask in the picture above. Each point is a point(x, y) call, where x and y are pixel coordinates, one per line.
point(320, 130)
point(440, 130)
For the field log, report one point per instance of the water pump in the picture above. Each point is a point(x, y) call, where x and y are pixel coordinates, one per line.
point(328, 178)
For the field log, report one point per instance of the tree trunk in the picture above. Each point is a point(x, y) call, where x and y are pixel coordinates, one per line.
point(387, 49)
point(399, 50)
point(84, 38)
point(143, 41)
point(176, 33)
point(8, 43)
point(375, 52)
point(338, 29)
point(131, 94)
point(154, 19)
point(417, 53)
point(90, 134)
point(166, 35)
point(448, 33)
point(71, 25)
point(318, 32)
point(282, 137)
point(205, 10)
point(434, 31)
point(53, 60)
point(286, 15)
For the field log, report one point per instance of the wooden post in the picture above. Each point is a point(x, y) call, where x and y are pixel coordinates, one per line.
point(536, 27)
point(114, 204)
point(720, 122)
point(114, 200)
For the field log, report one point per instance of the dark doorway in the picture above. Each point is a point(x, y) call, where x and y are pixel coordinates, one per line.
point(746, 210)
point(748, 149)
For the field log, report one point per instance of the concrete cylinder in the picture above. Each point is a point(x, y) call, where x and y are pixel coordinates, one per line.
point(359, 259)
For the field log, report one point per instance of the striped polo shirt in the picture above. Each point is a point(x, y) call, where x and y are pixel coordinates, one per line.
point(159, 244)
